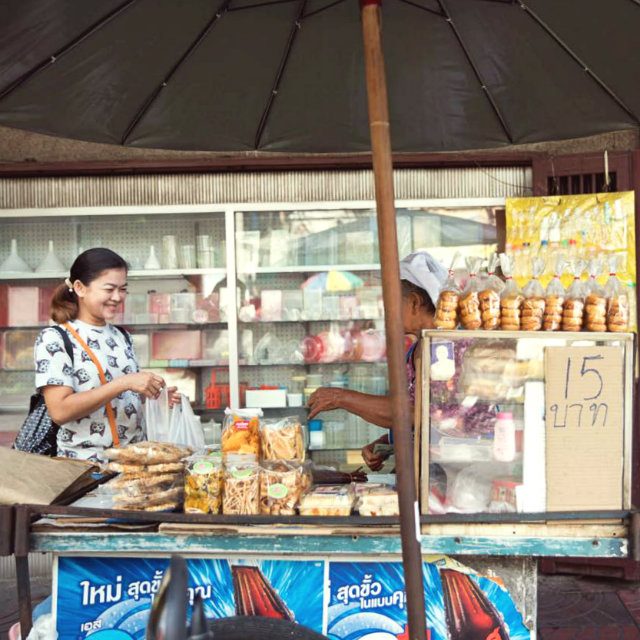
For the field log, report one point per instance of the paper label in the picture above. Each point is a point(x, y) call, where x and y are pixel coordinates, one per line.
point(277, 491)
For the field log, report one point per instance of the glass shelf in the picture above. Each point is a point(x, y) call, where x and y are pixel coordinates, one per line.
point(310, 268)
point(135, 273)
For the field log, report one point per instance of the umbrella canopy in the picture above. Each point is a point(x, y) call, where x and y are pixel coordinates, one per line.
point(288, 75)
point(335, 281)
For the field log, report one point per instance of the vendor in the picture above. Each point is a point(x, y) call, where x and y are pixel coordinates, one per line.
point(92, 415)
point(421, 278)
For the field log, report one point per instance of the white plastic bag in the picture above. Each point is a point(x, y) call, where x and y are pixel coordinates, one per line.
point(185, 429)
point(157, 417)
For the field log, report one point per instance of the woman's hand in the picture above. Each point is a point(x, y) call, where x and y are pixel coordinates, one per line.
point(325, 399)
point(174, 396)
point(145, 383)
point(373, 460)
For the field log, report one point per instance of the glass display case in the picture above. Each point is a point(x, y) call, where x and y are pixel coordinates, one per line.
point(248, 305)
point(525, 421)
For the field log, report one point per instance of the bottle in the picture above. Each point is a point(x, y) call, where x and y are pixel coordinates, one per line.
point(469, 613)
point(254, 596)
point(504, 438)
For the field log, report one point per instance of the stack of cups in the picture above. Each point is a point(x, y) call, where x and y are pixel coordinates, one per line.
point(169, 252)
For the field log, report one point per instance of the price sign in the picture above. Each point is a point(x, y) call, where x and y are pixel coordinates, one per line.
point(584, 409)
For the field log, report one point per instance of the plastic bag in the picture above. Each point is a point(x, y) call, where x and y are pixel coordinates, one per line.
point(447, 307)
point(203, 482)
point(510, 298)
point(489, 297)
point(533, 305)
point(573, 309)
point(241, 494)
point(282, 439)
point(241, 432)
point(281, 487)
point(469, 305)
point(157, 416)
point(554, 298)
point(184, 428)
point(595, 304)
point(617, 299)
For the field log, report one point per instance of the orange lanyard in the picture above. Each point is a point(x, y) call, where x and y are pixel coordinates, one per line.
point(110, 413)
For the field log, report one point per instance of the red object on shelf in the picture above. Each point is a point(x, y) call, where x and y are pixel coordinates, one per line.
point(44, 310)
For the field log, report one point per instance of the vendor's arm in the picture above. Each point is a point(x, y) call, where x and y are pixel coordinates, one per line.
point(372, 408)
point(65, 405)
point(374, 460)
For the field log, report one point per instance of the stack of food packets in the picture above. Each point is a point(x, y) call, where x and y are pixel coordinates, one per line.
point(151, 476)
point(376, 500)
point(328, 500)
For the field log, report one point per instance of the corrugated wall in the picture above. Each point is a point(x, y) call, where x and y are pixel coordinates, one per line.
point(294, 186)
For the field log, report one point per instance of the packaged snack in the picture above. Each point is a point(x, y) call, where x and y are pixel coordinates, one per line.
point(281, 487)
point(510, 298)
point(377, 500)
point(489, 297)
point(447, 307)
point(554, 298)
point(241, 431)
point(133, 487)
point(282, 439)
point(203, 482)
point(148, 453)
point(533, 305)
point(241, 493)
point(617, 299)
point(139, 470)
point(173, 495)
point(469, 304)
point(595, 302)
point(328, 500)
point(573, 309)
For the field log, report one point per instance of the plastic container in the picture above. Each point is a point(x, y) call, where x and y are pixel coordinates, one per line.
point(316, 434)
point(504, 439)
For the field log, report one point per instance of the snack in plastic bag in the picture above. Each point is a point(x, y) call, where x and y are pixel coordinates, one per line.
point(168, 500)
point(146, 453)
point(573, 309)
point(617, 299)
point(281, 487)
point(469, 304)
point(241, 493)
point(144, 469)
point(203, 482)
point(282, 439)
point(489, 297)
point(510, 298)
point(328, 500)
point(533, 305)
point(142, 485)
point(595, 303)
point(377, 500)
point(554, 298)
point(241, 431)
point(447, 307)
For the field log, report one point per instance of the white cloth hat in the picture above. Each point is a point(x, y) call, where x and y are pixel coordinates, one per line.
point(423, 270)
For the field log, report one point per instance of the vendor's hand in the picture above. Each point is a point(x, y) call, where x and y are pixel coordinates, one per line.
point(145, 383)
point(373, 460)
point(174, 396)
point(325, 399)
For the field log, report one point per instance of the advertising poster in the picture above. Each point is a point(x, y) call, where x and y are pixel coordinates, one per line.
point(110, 598)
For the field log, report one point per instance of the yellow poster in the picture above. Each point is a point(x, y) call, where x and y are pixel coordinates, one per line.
point(567, 229)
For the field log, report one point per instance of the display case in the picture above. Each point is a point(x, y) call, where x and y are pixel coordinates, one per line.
point(525, 421)
point(274, 300)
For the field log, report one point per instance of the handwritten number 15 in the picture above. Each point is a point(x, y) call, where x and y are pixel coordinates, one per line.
point(584, 372)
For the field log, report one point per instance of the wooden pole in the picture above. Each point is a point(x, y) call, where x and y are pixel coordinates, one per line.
point(389, 261)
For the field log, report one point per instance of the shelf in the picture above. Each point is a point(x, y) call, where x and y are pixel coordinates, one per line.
point(311, 364)
point(312, 268)
point(135, 273)
point(139, 327)
point(308, 321)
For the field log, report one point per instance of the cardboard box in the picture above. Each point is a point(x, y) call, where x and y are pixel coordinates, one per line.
point(23, 306)
point(176, 345)
point(266, 398)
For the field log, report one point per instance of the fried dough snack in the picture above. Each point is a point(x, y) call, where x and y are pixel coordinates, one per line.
point(145, 453)
point(282, 440)
point(281, 487)
point(241, 433)
point(241, 495)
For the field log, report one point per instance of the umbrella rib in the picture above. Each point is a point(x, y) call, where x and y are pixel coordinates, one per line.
point(585, 67)
point(419, 6)
point(476, 71)
point(220, 11)
point(101, 22)
point(297, 25)
point(321, 9)
point(257, 5)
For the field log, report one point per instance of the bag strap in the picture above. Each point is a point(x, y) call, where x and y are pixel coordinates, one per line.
point(124, 332)
point(68, 347)
point(110, 413)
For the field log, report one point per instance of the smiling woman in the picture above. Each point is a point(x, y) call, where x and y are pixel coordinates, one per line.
point(94, 390)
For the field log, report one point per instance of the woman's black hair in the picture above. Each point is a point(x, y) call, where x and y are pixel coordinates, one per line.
point(86, 268)
point(425, 298)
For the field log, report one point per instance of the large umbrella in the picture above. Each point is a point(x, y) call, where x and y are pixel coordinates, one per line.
point(289, 75)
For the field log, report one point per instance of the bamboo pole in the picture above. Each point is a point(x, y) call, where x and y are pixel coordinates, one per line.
point(389, 261)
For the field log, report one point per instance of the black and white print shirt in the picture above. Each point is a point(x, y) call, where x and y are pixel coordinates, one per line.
point(87, 437)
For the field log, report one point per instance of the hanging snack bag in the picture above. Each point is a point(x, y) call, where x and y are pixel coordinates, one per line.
point(241, 493)
point(573, 309)
point(203, 481)
point(595, 302)
point(533, 305)
point(554, 299)
point(510, 298)
point(447, 307)
point(469, 304)
point(617, 299)
point(241, 431)
point(489, 297)
point(281, 487)
point(282, 439)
